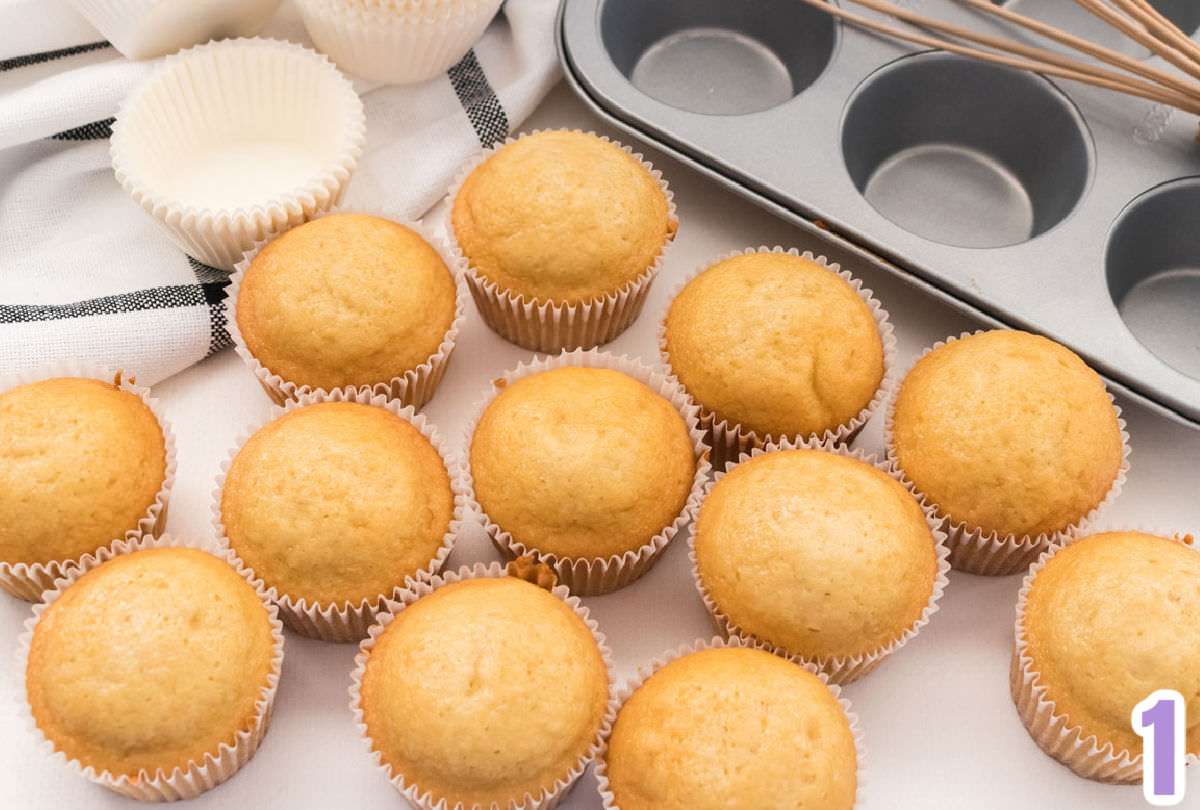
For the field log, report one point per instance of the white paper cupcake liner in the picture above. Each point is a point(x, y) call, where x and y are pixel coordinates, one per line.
point(343, 621)
point(549, 326)
point(413, 793)
point(1052, 731)
point(396, 43)
point(414, 387)
point(840, 669)
point(182, 782)
point(591, 576)
point(975, 551)
point(730, 439)
point(141, 29)
point(227, 92)
point(607, 798)
point(28, 580)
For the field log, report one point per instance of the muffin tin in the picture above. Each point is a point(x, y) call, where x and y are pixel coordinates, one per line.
point(1027, 203)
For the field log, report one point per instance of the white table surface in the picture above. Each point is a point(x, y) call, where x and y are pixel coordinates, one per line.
point(940, 728)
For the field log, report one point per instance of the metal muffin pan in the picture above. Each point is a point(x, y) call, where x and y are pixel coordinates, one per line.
point(1026, 202)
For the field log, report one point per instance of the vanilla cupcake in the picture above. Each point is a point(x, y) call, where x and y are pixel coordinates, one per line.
point(348, 300)
point(483, 690)
point(1101, 624)
point(818, 555)
point(773, 345)
point(563, 232)
point(83, 463)
point(1013, 439)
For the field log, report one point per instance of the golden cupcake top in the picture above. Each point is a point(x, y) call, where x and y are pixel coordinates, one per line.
point(1110, 619)
point(484, 690)
point(81, 461)
point(149, 662)
point(337, 502)
point(1007, 432)
point(732, 729)
point(345, 300)
point(561, 216)
point(775, 343)
point(816, 553)
point(582, 462)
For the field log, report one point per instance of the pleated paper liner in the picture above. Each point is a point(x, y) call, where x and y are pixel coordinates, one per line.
point(548, 326)
point(397, 43)
point(415, 386)
point(413, 793)
point(28, 580)
point(344, 621)
point(209, 102)
point(1052, 731)
point(591, 576)
point(730, 439)
point(842, 669)
point(141, 29)
point(198, 776)
point(988, 553)
point(643, 674)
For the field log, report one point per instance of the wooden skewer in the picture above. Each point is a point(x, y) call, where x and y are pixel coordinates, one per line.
point(1156, 23)
point(1140, 35)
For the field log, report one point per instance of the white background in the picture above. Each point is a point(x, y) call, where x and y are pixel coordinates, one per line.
point(940, 726)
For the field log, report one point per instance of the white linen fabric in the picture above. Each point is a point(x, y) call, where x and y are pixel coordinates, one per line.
point(86, 274)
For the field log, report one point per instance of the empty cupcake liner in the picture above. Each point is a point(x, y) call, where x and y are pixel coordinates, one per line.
point(140, 29)
point(1052, 731)
point(550, 326)
point(343, 621)
point(591, 576)
point(989, 553)
point(643, 674)
point(198, 776)
point(840, 669)
point(414, 387)
point(223, 93)
point(730, 439)
point(28, 580)
point(424, 799)
point(397, 43)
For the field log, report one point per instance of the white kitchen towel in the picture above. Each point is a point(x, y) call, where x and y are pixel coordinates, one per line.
point(86, 274)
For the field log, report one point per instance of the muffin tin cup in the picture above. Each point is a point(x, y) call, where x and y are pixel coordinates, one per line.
point(989, 553)
point(730, 439)
point(423, 799)
point(141, 29)
point(592, 576)
point(551, 326)
point(839, 669)
point(198, 776)
point(222, 94)
point(1053, 731)
point(344, 621)
point(28, 580)
point(397, 43)
point(643, 674)
point(414, 387)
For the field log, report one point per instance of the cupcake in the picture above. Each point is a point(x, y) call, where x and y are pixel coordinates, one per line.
point(1101, 624)
point(83, 463)
point(483, 690)
point(564, 233)
point(396, 41)
point(588, 462)
point(334, 505)
point(348, 300)
point(153, 673)
point(819, 555)
point(1013, 439)
point(731, 727)
point(773, 345)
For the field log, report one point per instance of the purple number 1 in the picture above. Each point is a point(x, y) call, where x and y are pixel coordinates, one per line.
point(1159, 720)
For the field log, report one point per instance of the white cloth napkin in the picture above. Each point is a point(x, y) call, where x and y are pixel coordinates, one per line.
point(86, 274)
